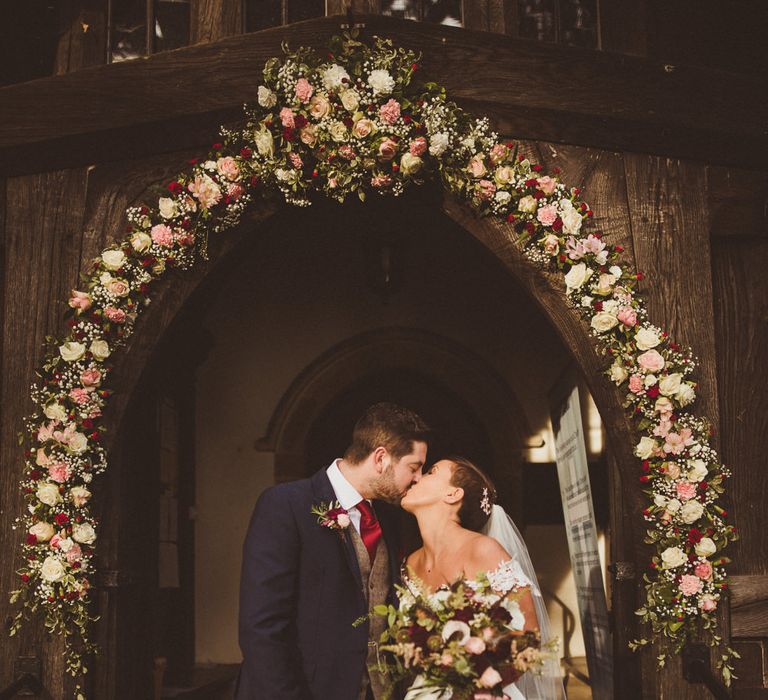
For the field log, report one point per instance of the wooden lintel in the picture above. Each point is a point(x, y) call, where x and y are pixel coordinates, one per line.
point(554, 93)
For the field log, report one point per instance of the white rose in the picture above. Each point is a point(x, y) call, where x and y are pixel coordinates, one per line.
point(48, 493)
point(334, 76)
point(350, 100)
point(647, 339)
point(78, 443)
point(167, 207)
point(452, 626)
point(705, 547)
point(669, 384)
point(100, 349)
point(79, 495)
point(209, 165)
point(603, 321)
point(645, 447)
point(618, 373)
point(611, 306)
point(42, 530)
point(52, 569)
point(503, 197)
point(438, 144)
point(698, 470)
point(513, 608)
point(338, 131)
point(570, 217)
point(113, 259)
point(650, 380)
point(685, 394)
point(527, 204)
point(65, 544)
point(691, 512)
point(266, 97)
point(84, 533)
point(673, 557)
point(577, 276)
point(615, 270)
point(605, 284)
point(141, 241)
point(674, 505)
point(660, 500)
point(265, 143)
point(587, 300)
point(283, 175)
point(410, 164)
point(55, 411)
point(72, 351)
point(381, 81)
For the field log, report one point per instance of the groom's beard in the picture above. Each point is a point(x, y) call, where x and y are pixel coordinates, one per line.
point(385, 488)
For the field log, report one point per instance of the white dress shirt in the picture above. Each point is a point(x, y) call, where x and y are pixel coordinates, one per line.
point(346, 494)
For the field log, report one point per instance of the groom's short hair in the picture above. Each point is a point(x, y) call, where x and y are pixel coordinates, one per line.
point(386, 425)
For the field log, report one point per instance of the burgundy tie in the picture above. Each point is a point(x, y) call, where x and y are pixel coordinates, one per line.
point(370, 530)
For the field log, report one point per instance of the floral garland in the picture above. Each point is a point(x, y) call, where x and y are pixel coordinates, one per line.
point(354, 121)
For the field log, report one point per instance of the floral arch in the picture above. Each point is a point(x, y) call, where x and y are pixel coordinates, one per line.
point(358, 121)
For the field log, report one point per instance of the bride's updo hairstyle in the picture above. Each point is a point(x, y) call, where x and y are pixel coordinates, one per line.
point(479, 493)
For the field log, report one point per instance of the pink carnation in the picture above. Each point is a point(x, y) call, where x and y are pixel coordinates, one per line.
point(347, 152)
point(547, 215)
point(390, 112)
point(628, 316)
point(381, 181)
point(287, 118)
point(486, 189)
point(547, 184)
point(114, 314)
point(79, 395)
point(418, 146)
point(685, 491)
point(690, 585)
point(304, 90)
point(296, 161)
point(234, 192)
point(636, 385)
point(59, 471)
point(162, 235)
point(703, 570)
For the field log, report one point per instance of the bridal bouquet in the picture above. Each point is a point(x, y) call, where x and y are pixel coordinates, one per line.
point(462, 641)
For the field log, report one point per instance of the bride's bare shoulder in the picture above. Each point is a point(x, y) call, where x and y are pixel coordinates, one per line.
point(487, 553)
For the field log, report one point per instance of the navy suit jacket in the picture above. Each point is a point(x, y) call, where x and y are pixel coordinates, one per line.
point(300, 592)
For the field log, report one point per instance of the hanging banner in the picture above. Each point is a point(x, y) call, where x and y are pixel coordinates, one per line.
point(580, 526)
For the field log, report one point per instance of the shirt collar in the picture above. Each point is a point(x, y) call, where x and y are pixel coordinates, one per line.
point(346, 494)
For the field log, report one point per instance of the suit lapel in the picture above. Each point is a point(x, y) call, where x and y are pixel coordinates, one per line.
point(323, 492)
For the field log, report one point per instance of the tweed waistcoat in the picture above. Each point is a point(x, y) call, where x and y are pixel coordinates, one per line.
point(376, 585)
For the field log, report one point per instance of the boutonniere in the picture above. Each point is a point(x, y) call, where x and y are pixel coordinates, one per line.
point(332, 516)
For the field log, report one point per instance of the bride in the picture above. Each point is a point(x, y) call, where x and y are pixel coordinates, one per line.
point(464, 536)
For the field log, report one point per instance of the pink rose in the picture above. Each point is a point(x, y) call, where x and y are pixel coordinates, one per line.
point(547, 184)
point(308, 135)
point(499, 153)
point(296, 161)
point(551, 244)
point(162, 235)
point(707, 603)
point(690, 585)
point(381, 181)
point(90, 377)
point(490, 678)
point(628, 316)
point(685, 491)
point(304, 90)
point(318, 107)
point(485, 189)
point(343, 520)
point(651, 361)
point(74, 553)
point(234, 192)
point(118, 287)
point(114, 314)
point(80, 300)
point(475, 645)
point(418, 146)
point(673, 470)
point(476, 166)
point(59, 471)
point(547, 215)
point(228, 168)
point(387, 149)
point(390, 112)
point(362, 128)
point(636, 385)
point(287, 118)
point(703, 570)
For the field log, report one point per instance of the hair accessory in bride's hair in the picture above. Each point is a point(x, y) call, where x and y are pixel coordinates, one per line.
point(485, 502)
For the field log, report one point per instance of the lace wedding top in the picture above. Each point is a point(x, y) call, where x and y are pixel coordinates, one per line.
point(507, 576)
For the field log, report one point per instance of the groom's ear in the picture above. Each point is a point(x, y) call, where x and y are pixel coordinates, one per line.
point(380, 455)
point(454, 495)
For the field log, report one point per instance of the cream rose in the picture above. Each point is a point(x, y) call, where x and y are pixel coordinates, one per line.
point(673, 505)
point(72, 351)
point(363, 127)
point(113, 259)
point(265, 143)
point(618, 373)
point(78, 443)
point(350, 100)
point(691, 511)
point(52, 569)
point(266, 97)
point(570, 217)
point(84, 533)
point(698, 470)
point(42, 530)
point(527, 204)
point(338, 131)
point(318, 107)
point(79, 495)
point(685, 394)
point(603, 321)
point(705, 547)
point(645, 447)
point(167, 207)
point(605, 284)
point(504, 175)
point(669, 384)
point(100, 349)
point(141, 241)
point(48, 493)
point(647, 339)
point(410, 164)
point(672, 557)
point(55, 411)
point(577, 276)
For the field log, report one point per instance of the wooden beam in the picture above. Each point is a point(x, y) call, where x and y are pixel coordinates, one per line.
point(749, 605)
point(549, 92)
point(211, 20)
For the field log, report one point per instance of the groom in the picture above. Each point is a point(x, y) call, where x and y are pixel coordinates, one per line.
point(303, 585)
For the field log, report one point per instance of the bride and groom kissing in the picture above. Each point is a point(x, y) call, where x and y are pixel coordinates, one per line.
point(303, 586)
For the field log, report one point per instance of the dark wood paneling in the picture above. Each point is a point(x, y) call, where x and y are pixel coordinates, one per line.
point(624, 26)
point(83, 42)
point(738, 202)
point(551, 92)
point(42, 251)
point(211, 20)
point(741, 333)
